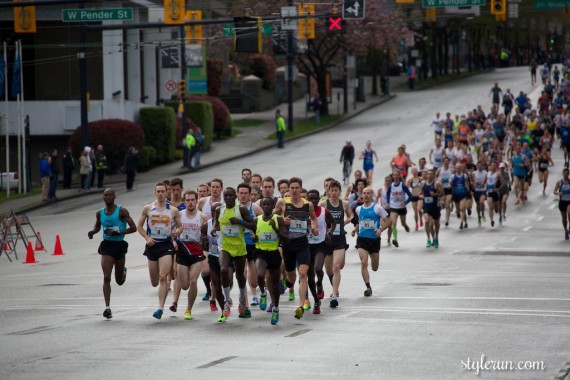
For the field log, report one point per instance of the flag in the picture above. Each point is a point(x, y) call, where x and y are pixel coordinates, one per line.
point(2, 76)
point(16, 85)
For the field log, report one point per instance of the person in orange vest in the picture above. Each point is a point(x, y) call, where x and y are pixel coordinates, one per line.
point(411, 76)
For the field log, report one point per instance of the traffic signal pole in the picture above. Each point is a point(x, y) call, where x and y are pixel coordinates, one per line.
point(83, 83)
point(290, 62)
point(183, 77)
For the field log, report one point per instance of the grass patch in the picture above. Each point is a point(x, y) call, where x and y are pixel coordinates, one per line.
point(15, 195)
point(308, 125)
point(244, 123)
point(430, 82)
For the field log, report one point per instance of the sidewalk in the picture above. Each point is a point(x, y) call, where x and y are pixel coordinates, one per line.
point(248, 141)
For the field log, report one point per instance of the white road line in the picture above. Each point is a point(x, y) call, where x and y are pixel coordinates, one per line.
point(527, 228)
point(539, 218)
point(552, 206)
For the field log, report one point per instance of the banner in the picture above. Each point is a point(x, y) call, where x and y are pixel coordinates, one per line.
point(16, 84)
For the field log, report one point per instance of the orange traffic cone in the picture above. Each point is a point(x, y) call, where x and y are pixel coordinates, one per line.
point(57, 250)
point(39, 243)
point(30, 258)
point(6, 248)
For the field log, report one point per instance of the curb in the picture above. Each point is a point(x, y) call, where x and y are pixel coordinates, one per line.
point(269, 145)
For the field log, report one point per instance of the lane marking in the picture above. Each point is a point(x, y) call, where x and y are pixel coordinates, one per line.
point(216, 362)
point(539, 218)
point(527, 228)
point(297, 333)
point(551, 207)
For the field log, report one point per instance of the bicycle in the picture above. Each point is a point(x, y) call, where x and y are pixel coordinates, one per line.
point(346, 171)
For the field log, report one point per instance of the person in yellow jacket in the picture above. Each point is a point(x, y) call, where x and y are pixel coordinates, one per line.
point(281, 128)
point(189, 143)
point(270, 231)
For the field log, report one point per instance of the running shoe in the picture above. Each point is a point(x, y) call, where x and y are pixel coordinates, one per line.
point(479, 221)
point(206, 297)
point(221, 319)
point(263, 301)
point(517, 201)
point(320, 293)
point(254, 301)
point(241, 307)
point(469, 211)
point(436, 243)
point(428, 244)
point(245, 314)
point(317, 308)
point(484, 219)
point(407, 228)
point(461, 226)
point(187, 315)
point(334, 302)
point(307, 305)
point(291, 295)
point(107, 313)
point(566, 237)
point(124, 275)
point(447, 224)
point(275, 317)
point(492, 223)
point(213, 306)
point(270, 308)
point(421, 222)
point(227, 308)
point(174, 307)
point(395, 242)
point(500, 220)
point(505, 217)
point(157, 314)
point(281, 288)
point(466, 225)
point(416, 227)
point(368, 292)
point(299, 312)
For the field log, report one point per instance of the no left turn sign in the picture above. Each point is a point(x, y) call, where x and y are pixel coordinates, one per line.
point(170, 85)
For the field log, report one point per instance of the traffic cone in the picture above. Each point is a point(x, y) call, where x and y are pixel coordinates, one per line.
point(6, 248)
point(57, 250)
point(39, 243)
point(30, 258)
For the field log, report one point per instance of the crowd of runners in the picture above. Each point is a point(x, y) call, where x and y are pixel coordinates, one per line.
point(274, 235)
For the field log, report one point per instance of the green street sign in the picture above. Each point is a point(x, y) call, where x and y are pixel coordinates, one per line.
point(95, 15)
point(451, 3)
point(266, 30)
point(551, 4)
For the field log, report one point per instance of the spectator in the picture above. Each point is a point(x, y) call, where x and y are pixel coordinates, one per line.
point(189, 142)
point(130, 166)
point(411, 74)
point(101, 165)
point(68, 167)
point(85, 169)
point(92, 168)
point(45, 174)
point(54, 164)
point(316, 108)
point(199, 138)
point(281, 128)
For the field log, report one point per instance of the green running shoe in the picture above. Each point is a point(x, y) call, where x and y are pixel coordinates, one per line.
point(275, 317)
point(436, 243)
point(428, 244)
point(291, 295)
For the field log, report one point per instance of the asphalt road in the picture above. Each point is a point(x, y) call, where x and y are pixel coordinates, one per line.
point(502, 292)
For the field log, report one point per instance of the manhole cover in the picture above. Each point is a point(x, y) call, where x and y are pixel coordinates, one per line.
point(431, 284)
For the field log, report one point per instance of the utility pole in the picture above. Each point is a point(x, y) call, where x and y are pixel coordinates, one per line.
point(83, 83)
point(183, 76)
point(290, 61)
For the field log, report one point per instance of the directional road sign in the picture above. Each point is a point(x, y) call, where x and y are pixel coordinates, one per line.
point(353, 9)
point(94, 15)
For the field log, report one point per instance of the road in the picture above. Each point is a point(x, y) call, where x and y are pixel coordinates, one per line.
point(502, 292)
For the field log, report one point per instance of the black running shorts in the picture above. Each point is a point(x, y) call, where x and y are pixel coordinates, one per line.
point(272, 258)
point(158, 250)
point(296, 252)
point(368, 244)
point(115, 249)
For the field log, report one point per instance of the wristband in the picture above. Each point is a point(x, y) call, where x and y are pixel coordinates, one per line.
point(241, 222)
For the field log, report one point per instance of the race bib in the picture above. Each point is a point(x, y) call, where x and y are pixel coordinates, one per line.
point(313, 239)
point(336, 230)
point(159, 232)
point(268, 237)
point(299, 226)
point(231, 230)
point(428, 199)
point(367, 224)
point(192, 236)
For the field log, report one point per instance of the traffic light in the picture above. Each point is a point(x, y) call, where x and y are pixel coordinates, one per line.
point(248, 35)
point(306, 25)
point(335, 24)
point(182, 88)
point(174, 11)
point(24, 19)
point(551, 40)
point(498, 7)
point(194, 33)
point(431, 14)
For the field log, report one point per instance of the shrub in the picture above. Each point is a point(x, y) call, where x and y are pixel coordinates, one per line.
point(159, 126)
point(263, 66)
point(215, 76)
point(147, 158)
point(220, 111)
point(116, 136)
point(201, 113)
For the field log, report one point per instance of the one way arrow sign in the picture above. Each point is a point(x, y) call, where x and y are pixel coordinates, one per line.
point(353, 9)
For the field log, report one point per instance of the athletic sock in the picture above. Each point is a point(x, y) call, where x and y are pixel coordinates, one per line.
point(394, 233)
point(368, 285)
point(276, 308)
point(241, 294)
point(227, 293)
point(206, 280)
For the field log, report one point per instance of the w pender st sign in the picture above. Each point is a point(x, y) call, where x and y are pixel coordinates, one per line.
point(94, 15)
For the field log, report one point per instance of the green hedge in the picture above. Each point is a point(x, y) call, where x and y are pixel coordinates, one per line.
point(159, 126)
point(201, 113)
point(147, 158)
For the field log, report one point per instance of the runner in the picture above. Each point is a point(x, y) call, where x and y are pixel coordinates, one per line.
point(544, 161)
point(444, 175)
point(372, 221)
point(401, 162)
point(246, 175)
point(459, 189)
point(368, 155)
point(114, 219)
point(189, 255)
point(255, 194)
point(397, 201)
point(504, 191)
point(231, 219)
point(210, 235)
point(436, 155)
point(176, 188)
point(283, 187)
point(494, 179)
point(480, 191)
point(562, 189)
point(496, 93)
point(163, 224)
point(341, 215)
point(437, 124)
point(382, 200)
point(203, 190)
point(415, 184)
point(432, 191)
point(351, 188)
point(297, 212)
point(256, 180)
point(270, 230)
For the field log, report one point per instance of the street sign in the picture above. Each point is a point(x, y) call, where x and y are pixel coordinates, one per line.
point(289, 24)
point(170, 85)
point(451, 3)
point(353, 9)
point(94, 15)
point(551, 4)
point(266, 30)
point(464, 11)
